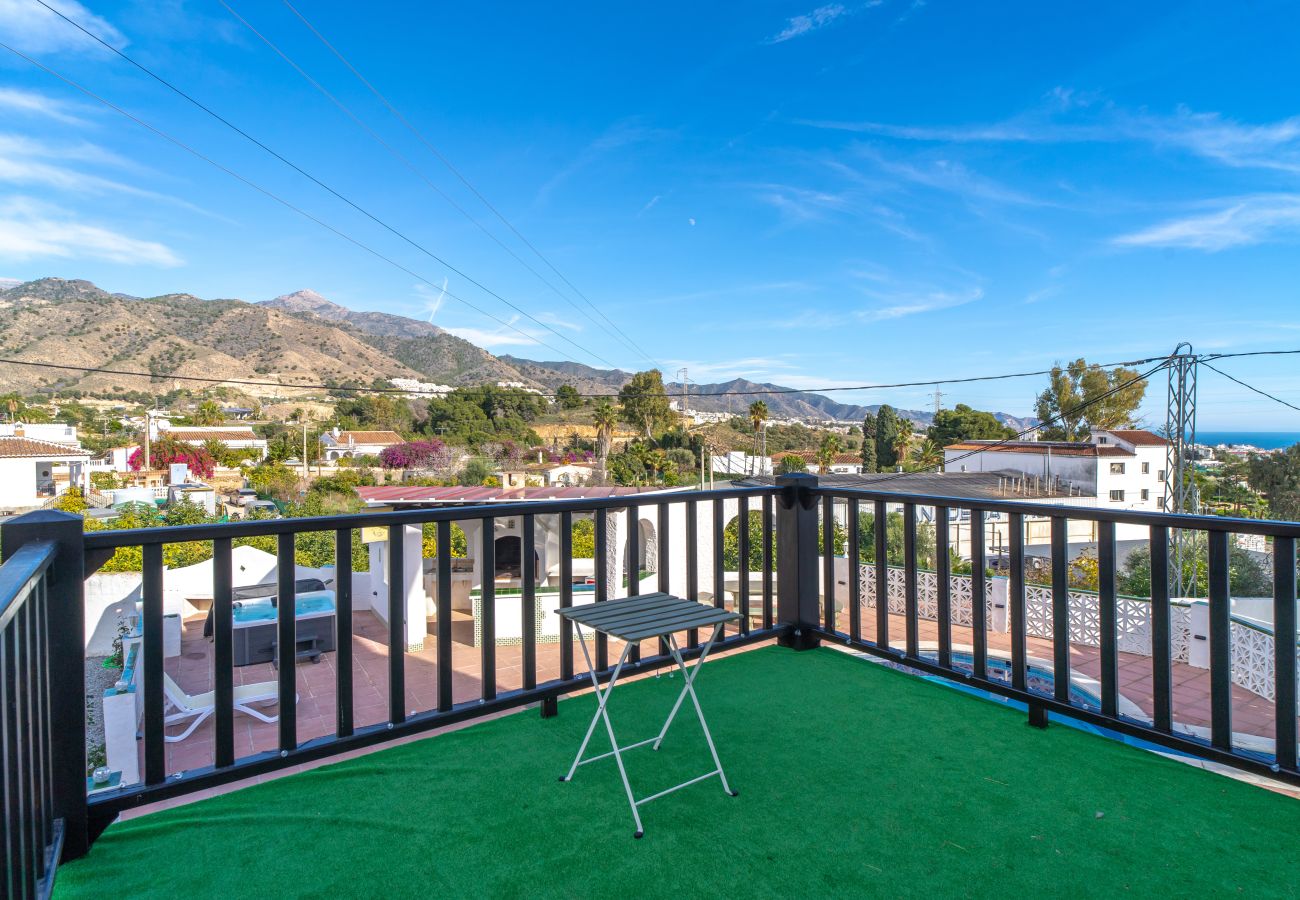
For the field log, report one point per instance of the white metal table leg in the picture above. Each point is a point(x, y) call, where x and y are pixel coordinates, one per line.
point(602, 712)
point(690, 689)
point(688, 679)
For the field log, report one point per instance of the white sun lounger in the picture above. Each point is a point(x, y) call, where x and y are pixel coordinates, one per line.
point(198, 707)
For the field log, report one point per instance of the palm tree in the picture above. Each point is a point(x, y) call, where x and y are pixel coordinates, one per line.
point(826, 452)
point(757, 416)
point(929, 455)
point(903, 440)
point(605, 417)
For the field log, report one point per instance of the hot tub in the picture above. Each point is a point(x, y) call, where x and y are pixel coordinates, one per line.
point(256, 630)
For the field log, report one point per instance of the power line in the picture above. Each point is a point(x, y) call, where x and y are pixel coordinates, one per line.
point(405, 161)
point(465, 181)
point(304, 173)
point(1164, 361)
point(372, 390)
point(1250, 387)
point(278, 199)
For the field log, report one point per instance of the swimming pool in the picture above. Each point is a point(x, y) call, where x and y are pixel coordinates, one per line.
point(1038, 679)
point(263, 609)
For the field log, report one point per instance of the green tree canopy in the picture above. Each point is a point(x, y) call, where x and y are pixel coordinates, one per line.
point(790, 464)
point(869, 462)
point(643, 402)
point(962, 423)
point(1277, 477)
point(1076, 402)
point(887, 428)
point(567, 396)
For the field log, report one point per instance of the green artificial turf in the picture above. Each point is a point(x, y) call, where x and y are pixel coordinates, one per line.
point(853, 780)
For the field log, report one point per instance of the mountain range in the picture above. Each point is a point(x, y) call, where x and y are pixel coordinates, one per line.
point(295, 341)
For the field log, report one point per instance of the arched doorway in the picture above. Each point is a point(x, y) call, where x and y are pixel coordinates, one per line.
point(647, 547)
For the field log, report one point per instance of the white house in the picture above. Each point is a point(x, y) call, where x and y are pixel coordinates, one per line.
point(54, 432)
point(337, 444)
point(235, 437)
point(1118, 469)
point(546, 474)
point(33, 471)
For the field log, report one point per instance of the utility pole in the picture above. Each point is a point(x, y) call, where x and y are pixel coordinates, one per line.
point(148, 424)
point(938, 399)
point(686, 395)
point(305, 472)
point(1180, 466)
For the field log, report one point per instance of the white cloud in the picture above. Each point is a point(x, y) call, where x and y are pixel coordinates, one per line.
point(1239, 222)
point(506, 335)
point(32, 103)
point(1071, 117)
point(801, 204)
point(30, 230)
point(899, 306)
point(32, 28)
point(797, 26)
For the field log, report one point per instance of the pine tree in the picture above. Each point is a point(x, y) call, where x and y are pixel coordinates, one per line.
point(886, 438)
point(869, 443)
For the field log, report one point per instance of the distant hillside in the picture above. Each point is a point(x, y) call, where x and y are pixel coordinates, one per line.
point(422, 346)
point(78, 323)
point(303, 338)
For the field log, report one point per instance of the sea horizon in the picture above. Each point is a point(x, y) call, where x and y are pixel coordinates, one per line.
point(1264, 440)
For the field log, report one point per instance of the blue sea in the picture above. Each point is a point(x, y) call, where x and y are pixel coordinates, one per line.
point(1264, 440)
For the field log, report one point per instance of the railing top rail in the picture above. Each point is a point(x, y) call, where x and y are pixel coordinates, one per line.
point(96, 540)
point(19, 573)
point(1130, 517)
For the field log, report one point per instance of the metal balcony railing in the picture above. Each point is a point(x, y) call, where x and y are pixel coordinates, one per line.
point(794, 597)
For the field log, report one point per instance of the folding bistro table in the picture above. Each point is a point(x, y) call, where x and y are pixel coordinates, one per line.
point(635, 619)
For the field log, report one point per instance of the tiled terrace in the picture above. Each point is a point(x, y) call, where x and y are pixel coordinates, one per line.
point(192, 670)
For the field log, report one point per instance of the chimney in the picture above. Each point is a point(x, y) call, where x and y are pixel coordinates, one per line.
point(20, 430)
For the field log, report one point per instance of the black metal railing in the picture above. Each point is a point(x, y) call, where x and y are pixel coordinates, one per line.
point(796, 597)
point(42, 705)
point(1160, 726)
point(158, 783)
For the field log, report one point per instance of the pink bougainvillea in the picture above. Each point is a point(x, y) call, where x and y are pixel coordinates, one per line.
point(166, 451)
point(431, 454)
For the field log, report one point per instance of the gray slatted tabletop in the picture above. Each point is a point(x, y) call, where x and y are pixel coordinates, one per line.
point(646, 616)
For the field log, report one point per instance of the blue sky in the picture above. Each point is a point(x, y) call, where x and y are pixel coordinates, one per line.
point(812, 195)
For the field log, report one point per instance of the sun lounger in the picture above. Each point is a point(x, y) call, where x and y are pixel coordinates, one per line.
point(195, 708)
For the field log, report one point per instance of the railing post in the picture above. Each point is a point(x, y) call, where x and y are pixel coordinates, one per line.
point(797, 573)
point(66, 624)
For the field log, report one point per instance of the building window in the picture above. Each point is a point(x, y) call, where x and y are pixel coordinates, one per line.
point(1101, 440)
point(1161, 475)
point(1146, 468)
point(1117, 468)
point(1117, 495)
point(1146, 494)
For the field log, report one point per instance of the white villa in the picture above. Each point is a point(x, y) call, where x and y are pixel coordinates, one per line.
point(1121, 468)
point(235, 437)
point(547, 474)
point(337, 444)
point(34, 471)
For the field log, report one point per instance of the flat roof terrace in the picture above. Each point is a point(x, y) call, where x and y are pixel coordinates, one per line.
point(852, 779)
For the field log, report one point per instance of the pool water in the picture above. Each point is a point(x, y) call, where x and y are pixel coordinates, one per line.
point(261, 609)
point(1037, 679)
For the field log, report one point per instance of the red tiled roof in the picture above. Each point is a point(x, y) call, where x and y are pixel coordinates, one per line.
point(12, 447)
point(199, 435)
point(368, 437)
point(1056, 448)
point(1138, 437)
point(399, 493)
